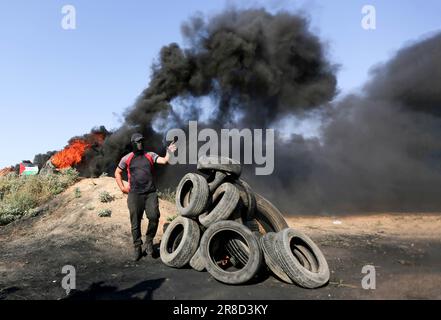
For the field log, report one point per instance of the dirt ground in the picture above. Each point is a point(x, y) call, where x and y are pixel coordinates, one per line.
point(404, 248)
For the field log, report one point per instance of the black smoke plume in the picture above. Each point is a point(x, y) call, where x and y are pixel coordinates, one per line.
point(252, 63)
point(379, 150)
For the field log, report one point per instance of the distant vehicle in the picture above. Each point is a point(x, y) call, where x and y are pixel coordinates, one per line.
point(27, 168)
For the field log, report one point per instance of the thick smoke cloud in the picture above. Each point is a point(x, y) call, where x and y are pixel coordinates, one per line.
point(379, 150)
point(255, 63)
point(411, 78)
point(252, 63)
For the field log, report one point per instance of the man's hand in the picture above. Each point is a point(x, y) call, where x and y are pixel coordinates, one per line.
point(125, 189)
point(172, 147)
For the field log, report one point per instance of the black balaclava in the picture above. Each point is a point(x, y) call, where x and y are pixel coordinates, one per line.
point(137, 141)
point(138, 147)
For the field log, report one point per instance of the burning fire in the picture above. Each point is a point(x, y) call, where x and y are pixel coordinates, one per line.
point(73, 153)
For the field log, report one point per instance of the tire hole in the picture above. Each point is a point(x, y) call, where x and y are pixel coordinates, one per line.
point(299, 248)
point(175, 238)
point(221, 256)
point(184, 198)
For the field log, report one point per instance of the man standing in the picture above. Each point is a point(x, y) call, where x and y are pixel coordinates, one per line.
point(141, 190)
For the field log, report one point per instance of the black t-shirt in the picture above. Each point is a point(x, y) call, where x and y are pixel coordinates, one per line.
point(141, 175)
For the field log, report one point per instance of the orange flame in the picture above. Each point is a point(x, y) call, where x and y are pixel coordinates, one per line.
point(71, 155)
point(74, 152)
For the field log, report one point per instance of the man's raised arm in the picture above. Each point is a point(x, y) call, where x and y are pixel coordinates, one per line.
point(170, 149)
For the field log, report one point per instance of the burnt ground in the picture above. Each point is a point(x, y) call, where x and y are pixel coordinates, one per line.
point(401, 274)
point(33, 252)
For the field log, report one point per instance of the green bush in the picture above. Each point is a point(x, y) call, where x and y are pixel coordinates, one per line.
point(171, 218)
point(106, 197)
point(21, 194)
point(105, 213)
point(77, 193)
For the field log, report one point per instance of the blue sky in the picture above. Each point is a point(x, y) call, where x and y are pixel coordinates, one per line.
point(57, 83)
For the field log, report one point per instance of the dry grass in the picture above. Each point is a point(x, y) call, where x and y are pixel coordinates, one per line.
point(20, 195)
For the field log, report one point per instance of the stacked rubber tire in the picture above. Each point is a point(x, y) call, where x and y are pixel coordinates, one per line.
point(232, 232)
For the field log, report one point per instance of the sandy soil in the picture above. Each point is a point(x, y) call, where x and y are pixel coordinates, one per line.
point(409, 226)
point(404, 248)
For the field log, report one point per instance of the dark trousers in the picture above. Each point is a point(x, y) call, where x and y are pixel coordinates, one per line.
point(138, 203)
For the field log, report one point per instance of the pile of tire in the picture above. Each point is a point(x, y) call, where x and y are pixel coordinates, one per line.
point(226, 228)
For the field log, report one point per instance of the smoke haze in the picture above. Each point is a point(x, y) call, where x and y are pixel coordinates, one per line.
point(379, 150)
